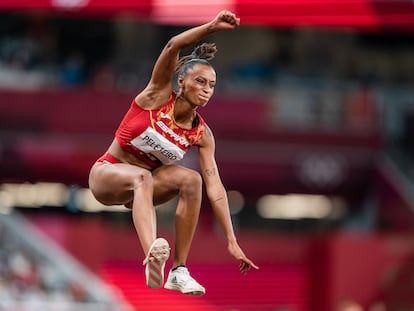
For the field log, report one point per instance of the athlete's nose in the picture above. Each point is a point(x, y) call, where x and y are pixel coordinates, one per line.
point(208, 89)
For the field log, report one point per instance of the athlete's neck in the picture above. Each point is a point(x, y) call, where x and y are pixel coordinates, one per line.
point(184, 113)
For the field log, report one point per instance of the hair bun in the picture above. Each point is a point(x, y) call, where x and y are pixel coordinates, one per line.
point(205, 51)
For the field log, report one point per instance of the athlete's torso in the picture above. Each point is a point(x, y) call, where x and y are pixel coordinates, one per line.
point(153, 136)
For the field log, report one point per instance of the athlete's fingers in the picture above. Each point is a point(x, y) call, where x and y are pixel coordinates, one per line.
point(246, 265)
point(230, 18)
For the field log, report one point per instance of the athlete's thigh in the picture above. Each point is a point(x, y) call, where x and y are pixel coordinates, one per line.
point(167, 181)
point(113, 183)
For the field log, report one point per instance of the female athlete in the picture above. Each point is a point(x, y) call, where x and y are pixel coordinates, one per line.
point(139, 169)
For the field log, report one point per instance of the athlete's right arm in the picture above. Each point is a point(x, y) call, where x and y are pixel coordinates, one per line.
point(160, 85)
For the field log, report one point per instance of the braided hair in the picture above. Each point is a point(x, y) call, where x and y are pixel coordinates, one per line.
point(200, 55)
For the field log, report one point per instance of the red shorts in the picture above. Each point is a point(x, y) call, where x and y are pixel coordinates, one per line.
point(108, 158)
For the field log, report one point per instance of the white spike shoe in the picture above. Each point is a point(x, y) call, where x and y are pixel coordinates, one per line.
point(155, 262)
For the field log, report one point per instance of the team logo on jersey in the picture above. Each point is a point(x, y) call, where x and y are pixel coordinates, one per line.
point(165, 115)
point(179, 139)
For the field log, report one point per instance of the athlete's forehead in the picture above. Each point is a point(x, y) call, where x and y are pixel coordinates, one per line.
point(202, 70)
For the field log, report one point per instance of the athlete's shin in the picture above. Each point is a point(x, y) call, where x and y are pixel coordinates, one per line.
point(187, 214)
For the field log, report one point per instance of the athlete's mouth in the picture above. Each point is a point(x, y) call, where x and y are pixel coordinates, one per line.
point(203, 97)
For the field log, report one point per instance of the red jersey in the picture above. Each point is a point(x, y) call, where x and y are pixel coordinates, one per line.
point(153, 136)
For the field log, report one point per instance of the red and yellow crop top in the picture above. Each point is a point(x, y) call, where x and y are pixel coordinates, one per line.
point(153, 137)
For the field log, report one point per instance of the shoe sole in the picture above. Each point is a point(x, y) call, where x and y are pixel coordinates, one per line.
point(178, 288)
point(155, 262)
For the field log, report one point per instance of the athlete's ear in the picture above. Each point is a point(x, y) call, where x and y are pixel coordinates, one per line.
point(180, 81)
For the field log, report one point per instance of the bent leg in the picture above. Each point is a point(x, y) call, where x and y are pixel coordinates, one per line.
point(173, 180)
point(122, 183)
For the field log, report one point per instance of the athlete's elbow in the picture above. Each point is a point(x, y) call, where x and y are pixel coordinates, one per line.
point(178, 43)
point(173, 45)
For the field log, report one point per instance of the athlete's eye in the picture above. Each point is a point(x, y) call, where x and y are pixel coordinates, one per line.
point(205, 82)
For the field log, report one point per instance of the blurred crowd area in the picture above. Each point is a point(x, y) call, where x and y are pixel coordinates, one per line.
point(314, 78)
point(75, 50)
point(26, 277)
point(31, 280)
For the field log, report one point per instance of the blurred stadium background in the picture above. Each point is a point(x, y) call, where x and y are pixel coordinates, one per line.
point(313, 117)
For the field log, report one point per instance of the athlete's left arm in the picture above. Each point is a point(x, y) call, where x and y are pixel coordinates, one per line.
point(218, 198)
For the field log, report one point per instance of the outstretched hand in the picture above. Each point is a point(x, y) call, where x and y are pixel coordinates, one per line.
point(226, 20)
point(245, 263)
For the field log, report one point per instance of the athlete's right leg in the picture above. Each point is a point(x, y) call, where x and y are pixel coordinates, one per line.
point(120, 183)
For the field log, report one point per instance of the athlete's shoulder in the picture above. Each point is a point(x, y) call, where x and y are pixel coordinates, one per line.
point(207, 137)
point(152, 99)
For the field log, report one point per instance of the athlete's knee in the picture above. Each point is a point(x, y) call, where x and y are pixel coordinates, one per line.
point(142, 178)
point(191, 182)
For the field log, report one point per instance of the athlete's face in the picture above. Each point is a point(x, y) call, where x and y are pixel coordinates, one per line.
point(197, 85)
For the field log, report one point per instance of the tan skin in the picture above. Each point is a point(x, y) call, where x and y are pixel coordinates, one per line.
point(133, 184)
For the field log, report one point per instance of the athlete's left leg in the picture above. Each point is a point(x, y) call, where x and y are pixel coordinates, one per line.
point(170, 181)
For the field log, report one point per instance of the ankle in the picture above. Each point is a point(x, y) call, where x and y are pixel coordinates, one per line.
point(176, 267)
